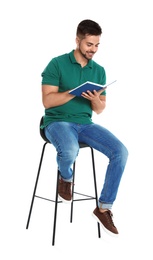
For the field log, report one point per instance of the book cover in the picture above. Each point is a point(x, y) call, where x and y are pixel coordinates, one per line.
point(88, 86)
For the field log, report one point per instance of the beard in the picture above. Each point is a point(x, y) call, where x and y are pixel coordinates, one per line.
point(84, 54)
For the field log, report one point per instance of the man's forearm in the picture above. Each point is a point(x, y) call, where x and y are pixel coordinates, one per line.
point(54, 99)
point(99, 106)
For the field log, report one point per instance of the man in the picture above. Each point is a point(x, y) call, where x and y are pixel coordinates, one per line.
point(68, 118)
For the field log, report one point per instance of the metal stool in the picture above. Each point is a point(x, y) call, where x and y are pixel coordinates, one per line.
point(56, 201)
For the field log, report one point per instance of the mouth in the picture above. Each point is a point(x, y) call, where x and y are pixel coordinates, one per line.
point(91, 53)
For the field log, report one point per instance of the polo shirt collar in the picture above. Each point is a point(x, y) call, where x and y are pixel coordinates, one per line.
point(73, 60)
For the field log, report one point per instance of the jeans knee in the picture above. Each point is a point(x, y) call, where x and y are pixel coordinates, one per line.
point(124, 153)
point(69, 154)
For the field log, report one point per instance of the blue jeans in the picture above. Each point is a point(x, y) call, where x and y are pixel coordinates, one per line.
point(65, 137)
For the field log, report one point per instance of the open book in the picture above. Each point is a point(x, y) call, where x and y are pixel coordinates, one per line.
point(88, 86)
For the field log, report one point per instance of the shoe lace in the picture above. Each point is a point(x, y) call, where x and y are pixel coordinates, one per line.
point(68, 186)
point(109, 216)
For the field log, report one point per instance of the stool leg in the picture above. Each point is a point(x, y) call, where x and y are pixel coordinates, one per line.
point(55, 211)
point(95, 184)
point(71, 214)
point(35, 187)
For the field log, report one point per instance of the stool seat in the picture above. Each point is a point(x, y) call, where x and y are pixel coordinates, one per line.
point(56, 201)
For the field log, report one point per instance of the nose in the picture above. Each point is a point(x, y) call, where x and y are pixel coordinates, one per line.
point(93, 48)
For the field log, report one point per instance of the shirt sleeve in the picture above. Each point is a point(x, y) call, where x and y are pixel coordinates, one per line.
point(50, 75)
point(104, 81)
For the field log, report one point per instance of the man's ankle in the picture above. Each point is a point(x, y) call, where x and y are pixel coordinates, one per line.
point(102, 210)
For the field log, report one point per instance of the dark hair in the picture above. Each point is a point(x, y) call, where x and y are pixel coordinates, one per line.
point(88, 27)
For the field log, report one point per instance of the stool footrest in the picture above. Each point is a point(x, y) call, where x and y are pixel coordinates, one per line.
point(46, 199)
point(88, 197)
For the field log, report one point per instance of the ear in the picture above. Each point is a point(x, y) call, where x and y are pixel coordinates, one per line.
point(77, 40)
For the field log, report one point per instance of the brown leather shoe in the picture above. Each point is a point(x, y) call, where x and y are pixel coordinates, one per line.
point(65, 190)
point(105, 219)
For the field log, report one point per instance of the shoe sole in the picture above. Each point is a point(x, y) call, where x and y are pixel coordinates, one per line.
point(63, 200)
point(105, 229)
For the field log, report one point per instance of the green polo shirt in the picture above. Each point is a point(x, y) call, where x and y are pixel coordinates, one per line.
point(66, 73)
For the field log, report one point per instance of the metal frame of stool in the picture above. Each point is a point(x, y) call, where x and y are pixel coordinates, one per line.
point(56, 201)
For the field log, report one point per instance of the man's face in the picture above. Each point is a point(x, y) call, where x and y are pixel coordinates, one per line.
point(88, 46)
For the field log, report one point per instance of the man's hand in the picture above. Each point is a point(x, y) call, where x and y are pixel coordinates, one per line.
point(92, 96)
point(98, 102)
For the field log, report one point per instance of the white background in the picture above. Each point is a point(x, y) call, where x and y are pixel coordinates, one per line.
point(32, 32)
